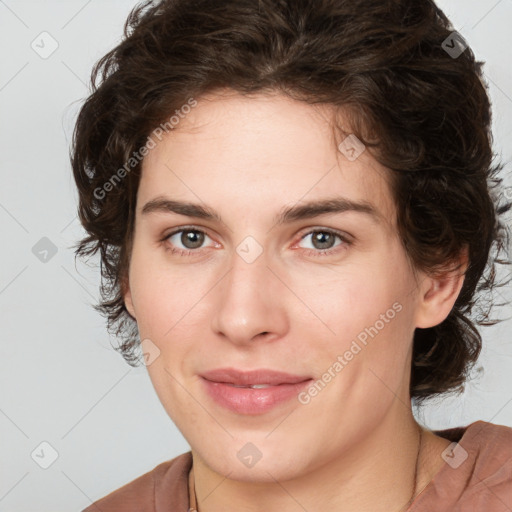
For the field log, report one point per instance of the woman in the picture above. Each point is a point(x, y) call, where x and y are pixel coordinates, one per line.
point(293, 201)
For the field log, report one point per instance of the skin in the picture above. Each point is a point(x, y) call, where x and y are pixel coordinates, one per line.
point(353, 447)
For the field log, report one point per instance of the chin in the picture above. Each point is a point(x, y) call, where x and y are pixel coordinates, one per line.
point(251, 464)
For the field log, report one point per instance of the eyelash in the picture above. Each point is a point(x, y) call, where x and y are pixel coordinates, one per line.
point(310, 252)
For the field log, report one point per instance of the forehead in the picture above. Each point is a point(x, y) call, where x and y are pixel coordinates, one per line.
point(259, 153)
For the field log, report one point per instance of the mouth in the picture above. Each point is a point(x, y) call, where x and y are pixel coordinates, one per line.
point(252, 392)
point(252, 386)
point(249, 378)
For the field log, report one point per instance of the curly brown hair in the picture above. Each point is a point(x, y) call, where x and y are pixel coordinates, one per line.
point(422, 111)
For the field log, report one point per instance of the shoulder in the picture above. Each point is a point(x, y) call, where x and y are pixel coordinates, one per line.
point(166, 485)
point(490, 484)
point(477, 474)
point(490, 444)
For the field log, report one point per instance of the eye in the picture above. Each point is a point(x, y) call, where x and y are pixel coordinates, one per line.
point(324, 240)
point(185, 241)
point(188, 241)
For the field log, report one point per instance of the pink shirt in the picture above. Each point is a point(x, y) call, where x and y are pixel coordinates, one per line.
point(476, 477)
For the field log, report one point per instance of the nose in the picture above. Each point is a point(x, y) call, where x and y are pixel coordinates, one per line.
point(250, 302)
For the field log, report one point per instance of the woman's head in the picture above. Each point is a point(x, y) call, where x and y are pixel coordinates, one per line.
point(242, 107)
point(233, 266)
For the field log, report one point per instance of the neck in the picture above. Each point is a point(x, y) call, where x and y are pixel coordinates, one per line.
point(384, 472)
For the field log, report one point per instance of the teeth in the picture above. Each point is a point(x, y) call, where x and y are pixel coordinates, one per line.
point(254, 386)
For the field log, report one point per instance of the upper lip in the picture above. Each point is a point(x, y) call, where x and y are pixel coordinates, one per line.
point(251, 377)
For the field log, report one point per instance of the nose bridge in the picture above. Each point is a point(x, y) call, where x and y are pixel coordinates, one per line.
point(249, 302)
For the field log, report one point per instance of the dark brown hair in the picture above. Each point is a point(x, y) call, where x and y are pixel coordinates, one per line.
point(422, 111)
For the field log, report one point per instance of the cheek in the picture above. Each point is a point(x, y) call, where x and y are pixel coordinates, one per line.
point(354, 296)
point(165, 296)
point(369, 310)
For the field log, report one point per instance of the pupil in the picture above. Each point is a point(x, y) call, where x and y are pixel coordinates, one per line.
point(324, 239)
point(195, 238)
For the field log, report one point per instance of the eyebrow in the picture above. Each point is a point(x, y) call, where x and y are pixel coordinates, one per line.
point(288, 214)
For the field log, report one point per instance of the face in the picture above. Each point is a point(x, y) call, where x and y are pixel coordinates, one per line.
point(327, 296)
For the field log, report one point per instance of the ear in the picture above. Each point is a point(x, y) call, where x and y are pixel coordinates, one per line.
point(438, 293)
point(127, 296)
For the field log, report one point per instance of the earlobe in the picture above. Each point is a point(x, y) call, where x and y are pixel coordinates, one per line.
point(127, 297)
point(438, 295)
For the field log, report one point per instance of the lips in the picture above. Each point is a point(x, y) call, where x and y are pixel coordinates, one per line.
point(253, 392)
point(257, 379)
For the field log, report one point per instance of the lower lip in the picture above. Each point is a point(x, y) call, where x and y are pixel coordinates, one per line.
point(253, 401)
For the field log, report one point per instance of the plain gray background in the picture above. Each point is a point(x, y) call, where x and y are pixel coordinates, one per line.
point(60, 381)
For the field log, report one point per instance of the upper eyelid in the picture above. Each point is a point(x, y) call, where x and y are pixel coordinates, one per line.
point(320, 229)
